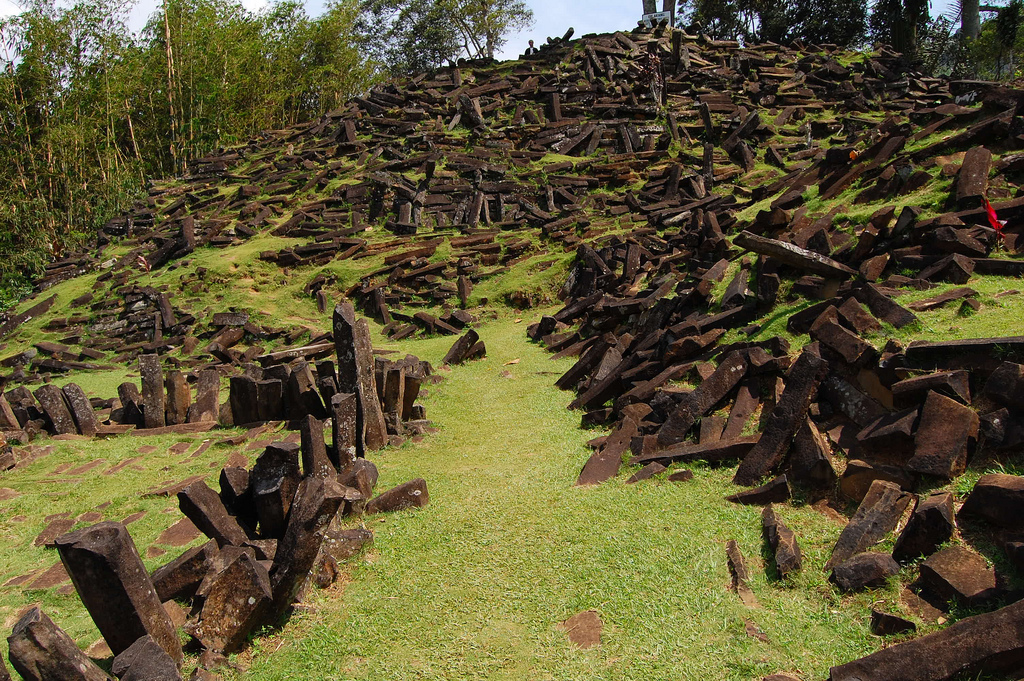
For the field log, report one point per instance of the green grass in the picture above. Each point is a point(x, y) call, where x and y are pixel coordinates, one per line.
point(473, 585)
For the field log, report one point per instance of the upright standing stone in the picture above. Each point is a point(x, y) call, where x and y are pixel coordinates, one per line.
point(274, 479)
point(356, 375)
point(317, 501)
point(344, 420)
point(131, 404)
point(244, 401)
point(51, 399)
point(41, 651)
point(206, 407)
point(8, 421)
point(81, 409)
point(178, 398)
point(115, 587)
point(152, 391)
point(314, 452)
point(930, 526)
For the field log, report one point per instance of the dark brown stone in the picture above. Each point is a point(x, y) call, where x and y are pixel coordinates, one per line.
point(810, 459)
point(344, 421)
point(697, 403)
point(179, 398)
point(114, 586)
point(884, 624)
point(930, 526)
point(604, 464)
point(145, 660)
point(314, 451)
point(858, 476)
point(864, 571)
point(206, 510)
point(989, 643)
point(913, 391)
point(877, 516)
point(274, 478)
point(317, 501)
point(51, 399)
point(850, 347)
point(775, 491)
point(244, 399)
point(794, 256)
point(180, 578)
point(412, 494)
point(784, 420)
point(356, 375)
point(959, 575)
point(739, 573)
point(715, 452)
point(782, 541)
point(236, 601)
point(205, 408)
point(153, 407)
point(343, 544)
point(998, 499)
point(646, 473)
point(81, 409)
point(945, 435)
point(41, 651)
point(1005, 386)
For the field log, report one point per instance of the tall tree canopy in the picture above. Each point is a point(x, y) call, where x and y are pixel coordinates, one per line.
point(416, 35)
point(811, 21)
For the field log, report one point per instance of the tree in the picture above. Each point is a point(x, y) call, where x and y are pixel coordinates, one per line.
point(419, 35)
point(898, 22)
point(810, 21)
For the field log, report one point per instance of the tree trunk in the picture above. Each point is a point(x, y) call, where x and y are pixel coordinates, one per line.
point(970, 19)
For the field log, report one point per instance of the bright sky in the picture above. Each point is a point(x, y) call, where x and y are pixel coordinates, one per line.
point(552, 18)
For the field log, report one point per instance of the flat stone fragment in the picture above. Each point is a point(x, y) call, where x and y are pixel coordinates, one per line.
point(957, 574)
point(53, 529)
point(858, 476)
point(946, 433)
point(206, 510)
point(583, 629)
point(784, 420)
point(884, 624)
point(997, 498)
point(114, 586)
point(145, 660)
point(782, 540)
point(884, 308)
point(713, 452)
point(988, 643)
point(852, 348)
point(877, 516)
point(604, 464)
point(684, 475)
point(930, 526)
point(864, 571)
point(973, 353)
point(740, 576)
point(912, 391)
point(81, 409)
point(41, 651)
point(646, 473)
point(51, 399)
point(412, 494)
point(772, 492)
point(794, 256)
point(179, 534)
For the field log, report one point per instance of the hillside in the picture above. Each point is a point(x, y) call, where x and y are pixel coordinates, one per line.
point(746, 264)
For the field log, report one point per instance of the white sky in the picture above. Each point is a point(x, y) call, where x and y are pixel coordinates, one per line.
point(552, 18)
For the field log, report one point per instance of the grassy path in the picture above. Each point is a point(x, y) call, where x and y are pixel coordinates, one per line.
point(472, 586)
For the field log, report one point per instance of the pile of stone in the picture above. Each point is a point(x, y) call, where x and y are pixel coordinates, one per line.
point(273, 528)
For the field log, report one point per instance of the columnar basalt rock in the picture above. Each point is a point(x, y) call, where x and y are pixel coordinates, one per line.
point(115, 587)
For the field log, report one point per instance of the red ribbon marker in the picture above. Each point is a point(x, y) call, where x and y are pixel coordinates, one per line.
point(994, 220)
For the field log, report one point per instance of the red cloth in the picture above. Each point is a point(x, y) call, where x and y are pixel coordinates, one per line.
point(993, 219)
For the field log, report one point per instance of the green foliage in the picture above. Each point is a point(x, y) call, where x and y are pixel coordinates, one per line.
point(420, 35)
point(812, 21)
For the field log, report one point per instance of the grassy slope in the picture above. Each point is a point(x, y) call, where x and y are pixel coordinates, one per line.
point(473, 585)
